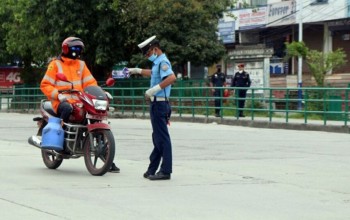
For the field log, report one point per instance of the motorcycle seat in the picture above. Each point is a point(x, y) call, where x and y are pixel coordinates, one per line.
point(47, 106)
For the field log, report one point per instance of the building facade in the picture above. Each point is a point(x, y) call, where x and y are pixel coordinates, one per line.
point(261, 31)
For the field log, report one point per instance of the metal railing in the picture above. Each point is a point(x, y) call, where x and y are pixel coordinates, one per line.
point(322, 104)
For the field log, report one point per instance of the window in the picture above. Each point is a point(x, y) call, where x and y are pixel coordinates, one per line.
point(320, 1)
point(258, 2)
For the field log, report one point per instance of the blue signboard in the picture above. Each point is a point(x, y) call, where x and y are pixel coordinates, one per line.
point(227, 31)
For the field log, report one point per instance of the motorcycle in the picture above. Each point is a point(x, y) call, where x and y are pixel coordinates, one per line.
point(87, 133)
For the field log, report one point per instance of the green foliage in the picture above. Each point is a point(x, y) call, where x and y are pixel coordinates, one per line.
point(296, 49)
point(186, 28)
point(111, 30)
point(318, 62)
point(5, 56)
point(315, 100)
point(321, 63)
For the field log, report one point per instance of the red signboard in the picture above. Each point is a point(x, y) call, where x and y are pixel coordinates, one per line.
point(9, 76)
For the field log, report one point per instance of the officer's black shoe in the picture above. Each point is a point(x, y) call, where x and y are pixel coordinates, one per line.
point(217, 115)
point(241, 116)
point(160, 176)
point(114, 169)
point(147, 174)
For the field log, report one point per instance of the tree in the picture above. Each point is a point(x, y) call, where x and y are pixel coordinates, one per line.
point(319, 63)
point(111, 30)
point(5, 57)
point(37, 28)
point(322, 63)
point(20, 35)
point(186, 28)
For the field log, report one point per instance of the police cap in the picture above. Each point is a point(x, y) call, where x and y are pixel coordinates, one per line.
point(147, 44)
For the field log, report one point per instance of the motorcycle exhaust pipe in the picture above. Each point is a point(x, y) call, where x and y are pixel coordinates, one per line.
point(35, 141)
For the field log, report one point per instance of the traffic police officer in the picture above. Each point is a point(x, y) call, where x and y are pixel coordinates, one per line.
point(218, 79)
point(241, 79)
point(162, 76)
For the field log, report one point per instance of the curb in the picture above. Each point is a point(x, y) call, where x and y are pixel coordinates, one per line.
point(257, 123)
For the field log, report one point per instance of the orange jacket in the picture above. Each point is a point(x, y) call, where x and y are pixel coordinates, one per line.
point(76, 72)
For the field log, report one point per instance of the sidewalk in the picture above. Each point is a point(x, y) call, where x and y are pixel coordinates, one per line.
point(256, 122)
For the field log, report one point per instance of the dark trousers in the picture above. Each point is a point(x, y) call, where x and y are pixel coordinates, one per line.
point(160, 114)
point(64, 110)
point(241, 94)
point(217, 102)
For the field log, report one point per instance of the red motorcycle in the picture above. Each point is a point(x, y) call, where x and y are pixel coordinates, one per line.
point(87, 133)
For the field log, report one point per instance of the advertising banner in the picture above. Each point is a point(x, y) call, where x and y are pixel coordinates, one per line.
point(9, 76)
point(226, 31)
point(252, 18)
point(282, 13)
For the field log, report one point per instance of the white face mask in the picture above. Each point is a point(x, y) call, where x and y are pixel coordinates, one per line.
point(240, 71)
point(153, 57)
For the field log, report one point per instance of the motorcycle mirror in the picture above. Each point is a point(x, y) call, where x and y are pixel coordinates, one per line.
point(61, 77)
point(110, 82)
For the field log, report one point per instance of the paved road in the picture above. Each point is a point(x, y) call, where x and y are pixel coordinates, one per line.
point(220, 172)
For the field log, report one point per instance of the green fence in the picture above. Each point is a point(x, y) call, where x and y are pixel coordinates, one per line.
point(324, 104)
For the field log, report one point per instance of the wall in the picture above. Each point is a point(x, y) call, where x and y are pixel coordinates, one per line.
point(334, 9)
point(340, 42)
point(334, 80)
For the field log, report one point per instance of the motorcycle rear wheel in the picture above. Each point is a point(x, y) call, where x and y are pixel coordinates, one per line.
point(50, 160)
point(99, 154)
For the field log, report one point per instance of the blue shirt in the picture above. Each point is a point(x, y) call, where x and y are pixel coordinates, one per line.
point(161, 68)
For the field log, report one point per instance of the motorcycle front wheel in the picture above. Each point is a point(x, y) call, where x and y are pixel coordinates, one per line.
point(50, 159)
point(99, 150)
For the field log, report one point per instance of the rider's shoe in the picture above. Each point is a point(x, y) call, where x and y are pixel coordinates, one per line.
point(114, 169)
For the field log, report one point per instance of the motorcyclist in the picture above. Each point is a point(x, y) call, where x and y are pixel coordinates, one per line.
point(76, 71)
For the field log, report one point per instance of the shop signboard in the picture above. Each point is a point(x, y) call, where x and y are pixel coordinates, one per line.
point(9, 76)
point(282, 13)
point(252, 18)
point(226, 31)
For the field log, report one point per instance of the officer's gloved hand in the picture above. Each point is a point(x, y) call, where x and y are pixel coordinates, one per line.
point(62, 97)
point(135, 71)
point(109, 96)
point(150, 92)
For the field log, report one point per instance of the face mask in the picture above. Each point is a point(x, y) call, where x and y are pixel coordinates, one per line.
point(241, 71)
point(153, 57)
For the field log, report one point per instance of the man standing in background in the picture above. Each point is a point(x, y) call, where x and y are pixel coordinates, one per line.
point(241, 79)
point(218, 79)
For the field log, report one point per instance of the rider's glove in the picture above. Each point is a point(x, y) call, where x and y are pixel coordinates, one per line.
point(62, 97)
point(150, 92)
point(135, 71)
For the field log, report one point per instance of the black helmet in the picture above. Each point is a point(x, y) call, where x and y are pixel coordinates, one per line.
point(72, 47)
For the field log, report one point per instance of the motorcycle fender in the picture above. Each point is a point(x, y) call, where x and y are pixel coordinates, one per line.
point(95, 126)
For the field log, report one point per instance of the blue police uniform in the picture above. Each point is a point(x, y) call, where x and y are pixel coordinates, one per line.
point(218, 79)
point(241, 80)
point(160, 111)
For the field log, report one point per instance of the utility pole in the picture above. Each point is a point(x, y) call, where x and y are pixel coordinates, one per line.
point(300, 58)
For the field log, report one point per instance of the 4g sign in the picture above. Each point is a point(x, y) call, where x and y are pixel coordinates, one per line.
point(9, 76)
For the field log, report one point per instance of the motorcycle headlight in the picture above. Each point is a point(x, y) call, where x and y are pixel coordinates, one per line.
point(100, 104)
